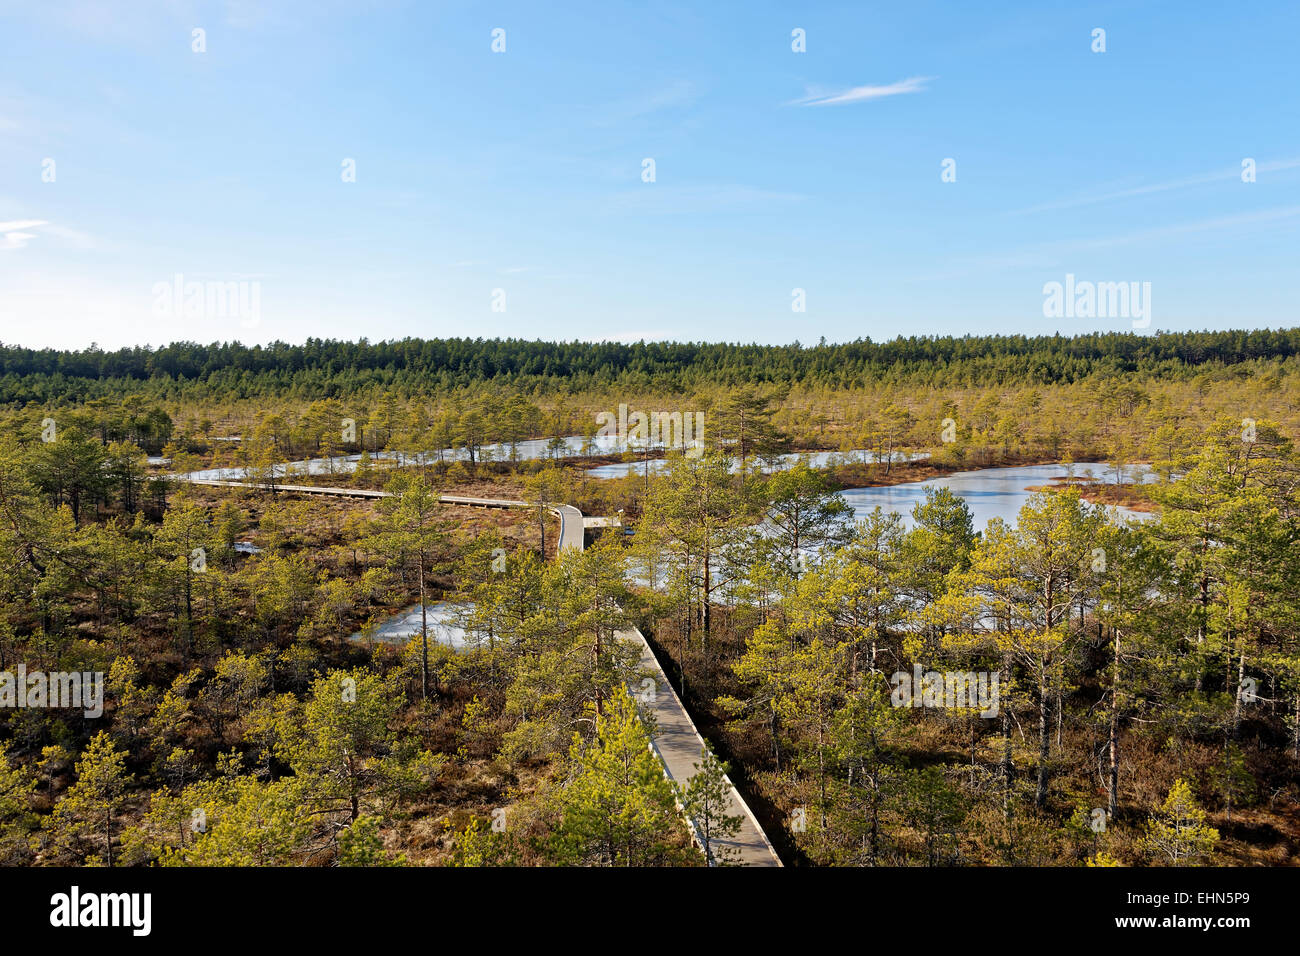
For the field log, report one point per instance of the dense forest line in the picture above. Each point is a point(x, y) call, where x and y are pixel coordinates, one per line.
point(330, 368)
point(1011, 398)
point(240, 419)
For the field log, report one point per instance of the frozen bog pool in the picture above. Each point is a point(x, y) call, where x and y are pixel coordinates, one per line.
point(988, 492)
point(444, 626)
point(814, 459)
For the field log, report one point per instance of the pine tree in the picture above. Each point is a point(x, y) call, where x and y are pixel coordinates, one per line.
point(411, 532)
point(90, 808)
point(706, 798)
point(805, 514)
point(16, 818)
point(618, 807)
point(1177, 831)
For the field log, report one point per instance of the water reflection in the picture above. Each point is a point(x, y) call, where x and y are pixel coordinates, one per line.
point(991, 492)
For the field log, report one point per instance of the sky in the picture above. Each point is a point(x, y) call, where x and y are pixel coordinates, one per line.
point(378, 170)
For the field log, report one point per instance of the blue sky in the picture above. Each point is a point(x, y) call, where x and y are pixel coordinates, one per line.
point(522, 170)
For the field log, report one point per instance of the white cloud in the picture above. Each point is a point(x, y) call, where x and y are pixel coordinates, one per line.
point(13, 234)
point(860, 94)
point(16, 240)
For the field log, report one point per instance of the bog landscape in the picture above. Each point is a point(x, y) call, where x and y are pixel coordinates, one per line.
point(604, 441)
point(1043, 613)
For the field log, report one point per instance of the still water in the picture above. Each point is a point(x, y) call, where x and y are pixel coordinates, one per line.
point(530, 450)
point(533, 449)
point(989, 492)
point(814, 459)
point(444, 626)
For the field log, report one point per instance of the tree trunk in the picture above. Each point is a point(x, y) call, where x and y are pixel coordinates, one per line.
point(1044, 740)
point(1008, 764)
point(424, 637)
point(708, 584)
point(1241, 679)
point(1295, 729)
point(1112, 803)
point(356, 806)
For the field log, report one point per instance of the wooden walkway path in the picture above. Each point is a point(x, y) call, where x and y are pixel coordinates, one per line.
point(570, 517)
point(677, 741)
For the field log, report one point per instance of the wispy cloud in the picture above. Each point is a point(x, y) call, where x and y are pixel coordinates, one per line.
point(14, 235)
point(861, 94)
point(21, 224)
point(1173, 184)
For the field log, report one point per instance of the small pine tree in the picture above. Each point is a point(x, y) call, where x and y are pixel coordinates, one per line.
point(479, 846)
point(1102, 858)
point(1178, 830)
point(90, 807)
point(361, 845)
point(706, 799)
point(618, 807)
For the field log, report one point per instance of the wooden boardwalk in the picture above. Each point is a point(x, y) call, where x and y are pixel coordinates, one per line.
point(570, 517)
point(677, 741)
point(680, 746)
